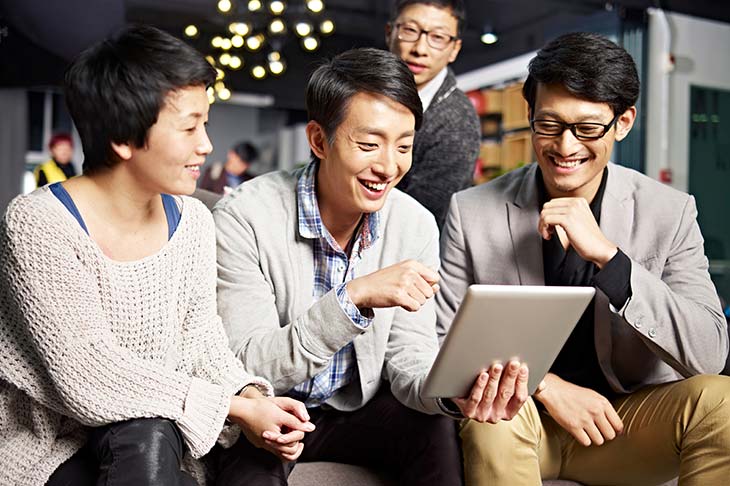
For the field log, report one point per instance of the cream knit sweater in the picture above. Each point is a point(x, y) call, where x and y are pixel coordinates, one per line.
point(86, 341)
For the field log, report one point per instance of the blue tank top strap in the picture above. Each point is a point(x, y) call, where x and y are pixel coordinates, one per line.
point(172, 212)
point(62, 195)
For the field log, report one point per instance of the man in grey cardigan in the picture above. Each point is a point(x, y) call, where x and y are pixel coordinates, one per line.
point(631, 398)
point(325, 284)
point(425, 34)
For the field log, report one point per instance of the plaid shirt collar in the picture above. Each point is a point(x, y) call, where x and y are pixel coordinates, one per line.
point(310, 221)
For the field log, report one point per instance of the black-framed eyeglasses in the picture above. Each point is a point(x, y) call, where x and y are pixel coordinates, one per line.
point(581, 131)
point(411, 33)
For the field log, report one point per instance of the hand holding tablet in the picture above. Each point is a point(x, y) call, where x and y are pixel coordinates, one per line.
point(500, 323)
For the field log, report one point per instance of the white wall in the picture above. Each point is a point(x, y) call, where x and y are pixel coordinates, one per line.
point(700, 50)
point(229, 124)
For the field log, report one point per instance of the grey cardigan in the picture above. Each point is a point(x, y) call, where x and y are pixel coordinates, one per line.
point(265, 283)
point(671, 327)
point(445, 150)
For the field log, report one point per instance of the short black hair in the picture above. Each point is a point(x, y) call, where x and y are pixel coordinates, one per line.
point(455, 6)
point(246, 151)
point(365, 70)
point(589, 66)
point(116, 89)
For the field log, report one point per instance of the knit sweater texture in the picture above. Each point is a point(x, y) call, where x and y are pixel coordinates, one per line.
point(86, 341)
point(445, 150)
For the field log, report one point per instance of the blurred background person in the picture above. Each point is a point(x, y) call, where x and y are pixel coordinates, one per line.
point(222, 178)
point(59, 167)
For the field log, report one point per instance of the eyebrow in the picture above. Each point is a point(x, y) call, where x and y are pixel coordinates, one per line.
point(438, 27)
point(194, 114)
point(381, 133)
point(589, 118)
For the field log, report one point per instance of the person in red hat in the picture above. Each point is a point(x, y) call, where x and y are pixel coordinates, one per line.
point(59, 167)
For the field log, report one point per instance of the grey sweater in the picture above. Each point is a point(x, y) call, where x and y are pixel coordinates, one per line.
point(86, 341)
point(445, 150)
point(265, 283)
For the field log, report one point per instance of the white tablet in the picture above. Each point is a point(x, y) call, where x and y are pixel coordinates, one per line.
point(496, 323)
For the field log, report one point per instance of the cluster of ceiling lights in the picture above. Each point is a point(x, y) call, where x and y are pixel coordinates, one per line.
point(259, 29)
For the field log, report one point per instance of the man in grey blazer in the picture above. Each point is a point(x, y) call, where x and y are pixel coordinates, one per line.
point(630, 398)
point(325, 284)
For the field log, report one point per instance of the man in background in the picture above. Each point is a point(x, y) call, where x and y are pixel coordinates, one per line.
point(425, 35)
point(222, 178)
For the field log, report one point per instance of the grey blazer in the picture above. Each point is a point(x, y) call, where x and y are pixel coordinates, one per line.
point(265, 288)
point(671, 327)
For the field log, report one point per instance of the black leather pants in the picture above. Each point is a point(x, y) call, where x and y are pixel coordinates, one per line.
point(137, 452)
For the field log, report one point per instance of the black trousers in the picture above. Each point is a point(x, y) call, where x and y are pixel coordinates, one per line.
point(137, 452)
point(416, 448)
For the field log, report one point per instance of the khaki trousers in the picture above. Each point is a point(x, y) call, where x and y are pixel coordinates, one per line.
point(674, 429)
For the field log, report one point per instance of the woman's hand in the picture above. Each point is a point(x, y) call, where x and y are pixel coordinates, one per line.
point(276, 424)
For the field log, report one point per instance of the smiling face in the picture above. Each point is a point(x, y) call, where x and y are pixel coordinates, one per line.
point(176, 145)
point(572, 167)
point(424, 61)
point(369, 155)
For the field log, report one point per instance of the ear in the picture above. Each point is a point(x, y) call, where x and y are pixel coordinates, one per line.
point(455, 50)
point(123, 150)
point(388, 31)
point(624, 123)
point(317, 139)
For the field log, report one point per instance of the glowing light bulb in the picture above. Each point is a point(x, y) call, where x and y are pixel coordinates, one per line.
point(489, 38)
point(239, 28)
point(237, 41)
point(276, 7)
point(310, 43)
point(327, 27)
point(258, 72)
point(224, 6)
point(254, 42)
point(254, 5)
point(277, 26)
point(276, 67)
point(315, 6)
point(235, 62)
point(191, 30)
point(303, 29)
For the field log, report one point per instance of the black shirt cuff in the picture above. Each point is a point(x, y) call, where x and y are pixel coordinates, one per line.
point(614, 279)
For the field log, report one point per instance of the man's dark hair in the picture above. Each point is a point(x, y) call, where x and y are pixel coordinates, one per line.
point(589, 66)
point(116, 89)
point(455, 6)
point(365, 70)
point(246, 152)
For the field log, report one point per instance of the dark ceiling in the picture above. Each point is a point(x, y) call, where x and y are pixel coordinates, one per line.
point(38, 37)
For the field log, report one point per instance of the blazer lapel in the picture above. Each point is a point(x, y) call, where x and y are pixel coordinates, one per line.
point(522, 217)
point(617, 209)
point(617, 221)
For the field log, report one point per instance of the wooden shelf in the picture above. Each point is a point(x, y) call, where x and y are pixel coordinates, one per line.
point(506, 139)
point(516, 150)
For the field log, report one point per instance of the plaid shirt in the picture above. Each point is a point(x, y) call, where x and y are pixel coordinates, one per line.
point(333, 268)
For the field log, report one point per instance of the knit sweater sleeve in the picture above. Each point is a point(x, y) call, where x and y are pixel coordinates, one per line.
point(214, 360)
point(52, 285)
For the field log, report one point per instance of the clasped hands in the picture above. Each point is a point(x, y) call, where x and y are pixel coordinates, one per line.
point(276, 424)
